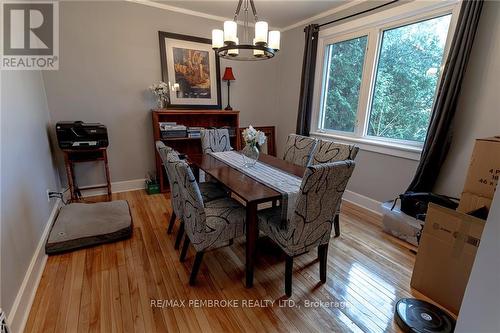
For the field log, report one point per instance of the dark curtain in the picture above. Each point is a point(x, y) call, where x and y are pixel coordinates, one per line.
point(439, 133)
point(307, 81)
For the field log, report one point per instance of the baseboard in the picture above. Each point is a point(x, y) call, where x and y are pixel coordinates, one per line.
point(22, 304)
point(360, 200)
point(116, 187)
point(362, 206)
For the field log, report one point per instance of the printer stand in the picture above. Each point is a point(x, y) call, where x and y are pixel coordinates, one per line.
point(72, 156)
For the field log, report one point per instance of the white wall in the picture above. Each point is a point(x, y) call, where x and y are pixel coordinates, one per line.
point(109, 56)
point(27, 171)
point(480, 311)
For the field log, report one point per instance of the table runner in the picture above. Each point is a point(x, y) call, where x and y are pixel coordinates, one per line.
point(286, 184)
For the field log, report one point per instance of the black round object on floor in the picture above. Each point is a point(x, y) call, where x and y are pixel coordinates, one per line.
point(416, 316)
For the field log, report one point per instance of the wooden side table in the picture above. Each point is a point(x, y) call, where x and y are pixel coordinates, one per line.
point(72, 156)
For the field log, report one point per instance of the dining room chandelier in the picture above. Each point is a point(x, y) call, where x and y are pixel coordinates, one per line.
point(263, 46)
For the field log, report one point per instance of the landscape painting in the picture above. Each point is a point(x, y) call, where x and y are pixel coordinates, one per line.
point(191, 69)
point(192, 73)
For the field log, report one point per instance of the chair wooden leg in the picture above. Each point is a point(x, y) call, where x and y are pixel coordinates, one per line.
point(180, 233)
point(184, 250)
point(171, 223)
point(323, 260)
point(336, 225)
point(196, 268)
point(288, 275)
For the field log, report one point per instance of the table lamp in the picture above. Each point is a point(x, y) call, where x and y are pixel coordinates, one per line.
point(228, 76)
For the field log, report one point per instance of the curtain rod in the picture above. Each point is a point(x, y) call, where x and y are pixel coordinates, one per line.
point(359, 13)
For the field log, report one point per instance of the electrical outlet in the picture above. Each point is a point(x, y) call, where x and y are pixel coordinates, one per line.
point(53, 194)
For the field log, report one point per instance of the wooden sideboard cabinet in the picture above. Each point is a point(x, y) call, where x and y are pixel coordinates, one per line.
point(190, 118)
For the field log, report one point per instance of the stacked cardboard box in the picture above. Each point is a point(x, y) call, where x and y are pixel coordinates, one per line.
point(482, 178)
point(450, 238)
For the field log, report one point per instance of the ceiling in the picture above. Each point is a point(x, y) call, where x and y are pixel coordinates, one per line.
point(278, 13)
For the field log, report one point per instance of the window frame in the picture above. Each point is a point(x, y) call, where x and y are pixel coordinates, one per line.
point(373, 26)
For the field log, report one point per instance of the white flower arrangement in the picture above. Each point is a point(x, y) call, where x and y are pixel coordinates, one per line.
point(253, 137)
point(161, 91)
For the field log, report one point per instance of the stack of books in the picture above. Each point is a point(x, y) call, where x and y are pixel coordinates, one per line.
point(170, 130)
point(194, 132)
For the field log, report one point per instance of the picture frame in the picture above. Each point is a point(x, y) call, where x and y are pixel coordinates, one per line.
point(191, 68)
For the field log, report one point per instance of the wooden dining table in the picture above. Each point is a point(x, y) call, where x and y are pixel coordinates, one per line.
point(250, 190)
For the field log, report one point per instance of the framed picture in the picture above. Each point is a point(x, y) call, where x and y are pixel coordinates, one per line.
point(191, 69)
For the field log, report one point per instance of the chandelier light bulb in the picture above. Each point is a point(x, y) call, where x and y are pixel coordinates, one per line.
point(230, 32)
point(274, 39)
point(261, 32)
point(234, 52)
point(257, 53)
point(217, 38)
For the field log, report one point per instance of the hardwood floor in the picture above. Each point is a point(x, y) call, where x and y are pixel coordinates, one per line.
point(114, 287)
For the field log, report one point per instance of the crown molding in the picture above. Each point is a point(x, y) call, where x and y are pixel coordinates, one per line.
point(332, 11)
point(163, 6)
point(180, 10)
point(191, 12)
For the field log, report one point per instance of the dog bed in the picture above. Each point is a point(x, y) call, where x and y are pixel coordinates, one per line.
point(81, 225)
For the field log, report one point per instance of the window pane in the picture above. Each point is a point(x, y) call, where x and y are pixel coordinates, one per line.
point(345, 67)
point(407, 74)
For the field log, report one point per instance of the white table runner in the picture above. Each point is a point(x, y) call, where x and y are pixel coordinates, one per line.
point(287, 184)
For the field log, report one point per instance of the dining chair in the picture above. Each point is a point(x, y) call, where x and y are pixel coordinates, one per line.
point(215, 140)
point(209, 191)
point(208, 225)
point(310, 225)
point(298, 149)
point(328, 151)
point(269, 147)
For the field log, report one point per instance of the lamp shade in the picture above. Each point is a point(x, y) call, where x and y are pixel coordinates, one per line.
point(261, 32)
point(228, 74)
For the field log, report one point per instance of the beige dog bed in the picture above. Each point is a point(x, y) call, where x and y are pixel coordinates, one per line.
point(81, 225)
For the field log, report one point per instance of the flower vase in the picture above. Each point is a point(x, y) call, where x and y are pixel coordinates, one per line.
point(250, 155)
point(162, 103)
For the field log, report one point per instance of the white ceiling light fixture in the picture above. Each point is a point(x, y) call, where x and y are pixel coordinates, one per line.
point(262, 46)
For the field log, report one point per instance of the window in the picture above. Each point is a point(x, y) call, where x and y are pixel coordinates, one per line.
point(343, 81)
point(407, 74)
point(377, 84)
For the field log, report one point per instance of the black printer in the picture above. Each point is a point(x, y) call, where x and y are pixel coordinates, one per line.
point(80, 135)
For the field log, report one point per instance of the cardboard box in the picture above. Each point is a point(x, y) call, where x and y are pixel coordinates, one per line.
point(483, 174)
point(445, 255)
point(470, 202)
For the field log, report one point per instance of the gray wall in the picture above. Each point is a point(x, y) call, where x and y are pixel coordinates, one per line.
point(478, 113)
point(27, 172)
point(382, 177)
point(109, 55)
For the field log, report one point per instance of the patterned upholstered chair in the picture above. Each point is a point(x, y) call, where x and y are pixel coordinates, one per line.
point(327, 152)
point(298, 149)
point(215, 140)
point(208, 225)
point(209, 191)
point(310, 225)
